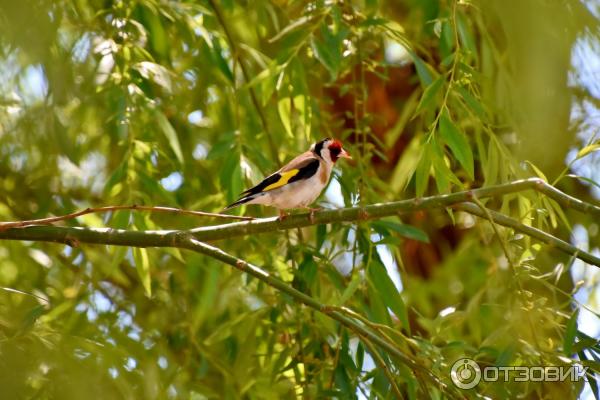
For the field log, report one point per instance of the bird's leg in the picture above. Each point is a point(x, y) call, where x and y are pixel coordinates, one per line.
point(311, 215)
point(282, 215)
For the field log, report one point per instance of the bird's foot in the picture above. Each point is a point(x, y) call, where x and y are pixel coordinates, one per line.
point(311, 215)
point(282, 215)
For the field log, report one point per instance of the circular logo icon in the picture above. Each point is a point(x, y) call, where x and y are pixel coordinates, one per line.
point(465, 373)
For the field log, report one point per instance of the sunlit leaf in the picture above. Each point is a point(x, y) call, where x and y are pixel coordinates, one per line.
point(142, 264)
point(587, 150)
point(388, 292)
point(170, 134)
point(570, 332)
point(458, 143)
point(429, 95)
point(407, 231)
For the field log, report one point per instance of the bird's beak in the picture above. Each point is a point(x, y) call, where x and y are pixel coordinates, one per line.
point(344, 154)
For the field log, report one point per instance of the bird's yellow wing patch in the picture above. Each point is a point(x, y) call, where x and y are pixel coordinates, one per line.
point(284, 179)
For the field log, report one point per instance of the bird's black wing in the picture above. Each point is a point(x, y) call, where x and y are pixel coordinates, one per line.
point(304, 170)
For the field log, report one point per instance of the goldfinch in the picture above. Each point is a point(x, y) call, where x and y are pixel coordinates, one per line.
point(300, 182)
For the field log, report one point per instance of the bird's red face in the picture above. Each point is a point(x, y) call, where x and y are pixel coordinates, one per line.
point(336, 151)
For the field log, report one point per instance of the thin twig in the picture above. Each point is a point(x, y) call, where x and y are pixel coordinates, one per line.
point(488, 214)
point(89, 210)
point(542, 236)
point(382, 364)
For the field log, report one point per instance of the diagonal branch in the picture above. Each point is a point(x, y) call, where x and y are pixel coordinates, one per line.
point(188, 242)
point(538, 234)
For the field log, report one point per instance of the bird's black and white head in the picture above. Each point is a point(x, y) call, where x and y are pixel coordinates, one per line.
point(330, 150)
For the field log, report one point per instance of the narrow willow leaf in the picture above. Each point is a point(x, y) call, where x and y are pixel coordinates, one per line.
point(308, 270)
point(117, 175)
point(583, 178)
point(458, 143)
point(300, 23)
point(491, 167)
point(170, 134)
point(537, 171)
point(321, 235)
point(570, 332)
point(284, 109)
point(388, 293)
point(231, 176)
point(592, 380)
point(422, 71)
point(142, 264)
point(551, 212)
point(442, 173)
point(407, 231)
point(473, 103)
point(429, 95)
point(406, 166)
point(422, 172)
point(466, 35)
point(587, 150)
point(273, 69)
point(350, 289)
point(220, 61)
point(328, 49)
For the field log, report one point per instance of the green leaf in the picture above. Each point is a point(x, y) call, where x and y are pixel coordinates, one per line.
point(592, 380)
point(583, 178)
point(328, 50)
point(118, 174)
point(142, 264)
point(387, 291)
point(407, 231)
point(231, 176)
point(473, 103)
point(492, 166)
point(442, 173)
point(422, 69)
point(458, 143)
point(422, 172)
point(220, 62)
point(570, 332)
point(307, 270)
point(429, 94)
point(537, 171)
point(350, 289)
point(300, 23)
point(170, 134)
point(587, 150)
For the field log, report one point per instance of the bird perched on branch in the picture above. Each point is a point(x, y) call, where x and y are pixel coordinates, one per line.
point(300, 182)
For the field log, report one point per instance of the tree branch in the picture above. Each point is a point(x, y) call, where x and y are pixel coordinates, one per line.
point(135, 207)
point(542, 236)
point(166, 238)
point(193, 240)
point(189, 242)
